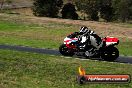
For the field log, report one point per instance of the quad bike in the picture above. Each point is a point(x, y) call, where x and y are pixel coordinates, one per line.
point(107, 52)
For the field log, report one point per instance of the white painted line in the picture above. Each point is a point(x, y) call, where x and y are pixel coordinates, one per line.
point(84, 59)
point(77, 58)
point(67, 57)
point(61, 56)
point(126, 56)
point(94, 60)
point(52, 55)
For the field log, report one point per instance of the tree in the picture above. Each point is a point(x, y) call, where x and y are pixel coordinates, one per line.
point(123, 9)
point(2, 3)
point(90, 7)
point(69, 11)
point(8, 1)
point(106, 10)
point(48, 8)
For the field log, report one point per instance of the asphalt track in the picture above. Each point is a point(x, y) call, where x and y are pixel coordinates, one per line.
point(121, 59)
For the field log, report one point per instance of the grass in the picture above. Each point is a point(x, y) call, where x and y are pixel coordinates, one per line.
point(31, 70)
point(48, 36)
point(125, 48)
point(16, 31)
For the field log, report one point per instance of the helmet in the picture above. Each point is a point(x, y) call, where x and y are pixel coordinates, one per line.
point(83, 30)
point(91, 32)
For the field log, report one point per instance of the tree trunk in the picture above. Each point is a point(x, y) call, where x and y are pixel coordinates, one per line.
point(2, 3)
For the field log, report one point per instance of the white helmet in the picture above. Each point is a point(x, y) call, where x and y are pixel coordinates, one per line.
point(91, 32)
point(83, 30)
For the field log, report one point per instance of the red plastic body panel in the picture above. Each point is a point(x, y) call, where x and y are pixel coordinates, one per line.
point(110, 39)
point(69, 45)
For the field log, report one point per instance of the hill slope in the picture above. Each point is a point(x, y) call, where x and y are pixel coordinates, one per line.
point(31, 70)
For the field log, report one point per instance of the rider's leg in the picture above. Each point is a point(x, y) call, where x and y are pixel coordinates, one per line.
point(95, 43)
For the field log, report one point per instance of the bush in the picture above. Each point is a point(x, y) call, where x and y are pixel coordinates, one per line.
point(69, 11)
point(48, 8)
point(90, 7)
point(94, 16)
point(107, 13)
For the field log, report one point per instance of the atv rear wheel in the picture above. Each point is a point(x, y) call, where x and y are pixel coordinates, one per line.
point(110, 54)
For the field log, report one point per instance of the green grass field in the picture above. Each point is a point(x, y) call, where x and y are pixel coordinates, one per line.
point(48, 36)
point(45, 35)
point(31, 70)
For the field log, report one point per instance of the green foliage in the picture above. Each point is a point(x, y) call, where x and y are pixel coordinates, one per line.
point(108, 9)
point(123, 9)
point(8, 1)
point(1, 4)
point(107, 12)
point(48, 8)
point(93, 7)
point(69, 11)
point(90, 7)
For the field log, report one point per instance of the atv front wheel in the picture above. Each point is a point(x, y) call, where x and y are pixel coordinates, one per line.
point(64, 50)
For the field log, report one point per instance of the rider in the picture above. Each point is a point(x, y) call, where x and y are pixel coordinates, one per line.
point(88, 36)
